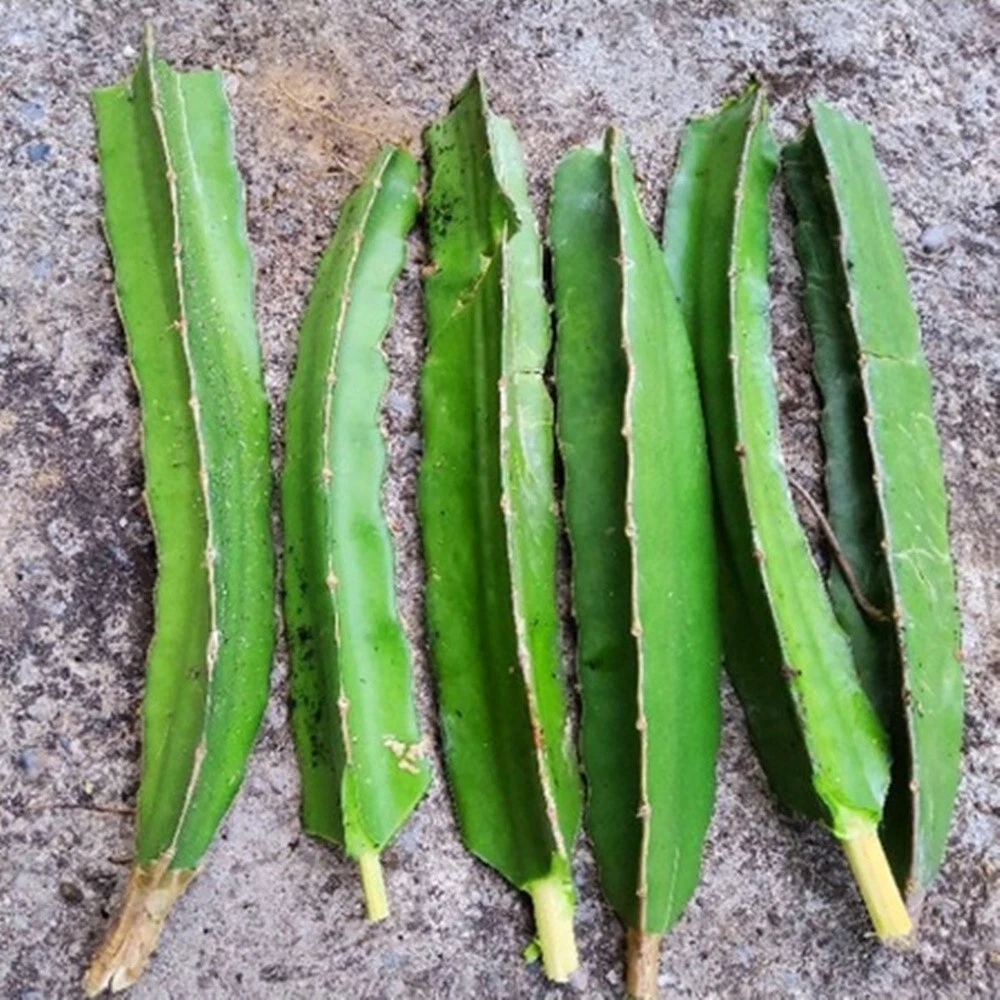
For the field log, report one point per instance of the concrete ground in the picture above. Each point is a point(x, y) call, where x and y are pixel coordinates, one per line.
point(275, 914)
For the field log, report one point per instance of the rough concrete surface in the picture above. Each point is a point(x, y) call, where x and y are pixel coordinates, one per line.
point(275, 914)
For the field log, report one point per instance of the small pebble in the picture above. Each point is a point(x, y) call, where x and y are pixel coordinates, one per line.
point(390, 960)
point(71, 893)
point(30, 763)
point(399, 404)
point(32, 111)
point(38, 152)
point(935, 238)
point(65, 536)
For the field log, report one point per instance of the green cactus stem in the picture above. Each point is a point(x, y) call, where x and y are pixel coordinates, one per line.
point(638, 510)
point(489, 520)
point(361, 755)
point(811, 719)
point(174, 219)
point(884, 481)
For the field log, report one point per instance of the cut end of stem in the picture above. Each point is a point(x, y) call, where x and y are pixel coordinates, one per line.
point(553, 903)
point(873, 875)
point(149, 895)
point(376, 901)
point(642, 964)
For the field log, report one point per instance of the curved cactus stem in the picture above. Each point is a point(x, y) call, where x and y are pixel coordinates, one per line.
point(726, 169)
point(184, 284)
point(361, 755)
point(698, 233)
point(884, 478)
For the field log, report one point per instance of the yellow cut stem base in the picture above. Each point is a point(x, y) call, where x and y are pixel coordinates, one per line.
point(553, 906)
point(150, 893)
point(878, 888)
point(373, 885)
point(642, 964)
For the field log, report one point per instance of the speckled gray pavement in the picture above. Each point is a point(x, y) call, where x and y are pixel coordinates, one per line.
point(275, 914)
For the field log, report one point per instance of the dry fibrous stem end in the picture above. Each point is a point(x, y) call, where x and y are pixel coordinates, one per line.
point(642, 964)
point(149, 895)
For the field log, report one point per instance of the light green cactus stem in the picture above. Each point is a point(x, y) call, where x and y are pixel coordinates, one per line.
point(886, 493)
point(488, 518)
point(638, 508)
point(360, 751)
point(184, 280)
point(717, 234)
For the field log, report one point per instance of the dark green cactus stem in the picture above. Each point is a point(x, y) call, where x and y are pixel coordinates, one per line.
point(886, 492)
point(184, 280)
point(360, 751)
point(797, 655)
point(644, 572)
point(488, 517)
